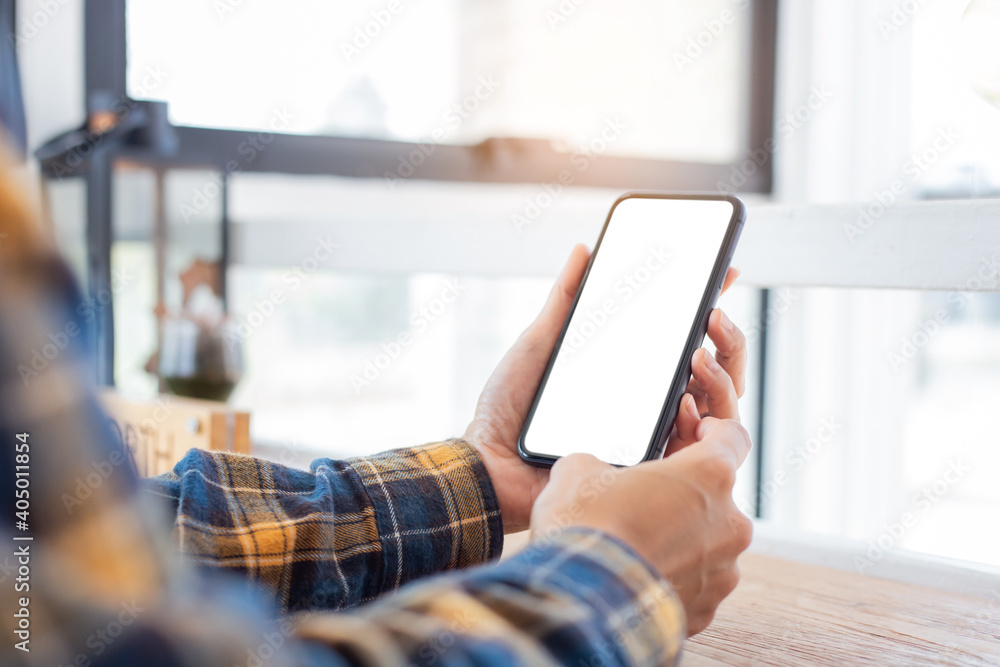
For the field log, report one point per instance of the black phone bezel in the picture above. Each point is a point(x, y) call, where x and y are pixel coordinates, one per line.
point(699, 327)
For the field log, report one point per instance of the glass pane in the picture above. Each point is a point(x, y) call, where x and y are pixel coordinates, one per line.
point(67, 201)
point(956, 98)
point(193, 214)
point(667, 78)
point(882, 419)
point(352, 364)
point(134, 288)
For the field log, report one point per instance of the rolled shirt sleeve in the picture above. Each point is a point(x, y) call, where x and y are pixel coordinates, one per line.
point(341, 533)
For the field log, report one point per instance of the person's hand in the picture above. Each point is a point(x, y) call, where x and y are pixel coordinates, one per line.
point(717, 382)
point(504, 404)
point(505, 401)
point(678, 512)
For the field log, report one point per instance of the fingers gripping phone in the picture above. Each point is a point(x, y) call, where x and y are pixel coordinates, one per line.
point(614, 382)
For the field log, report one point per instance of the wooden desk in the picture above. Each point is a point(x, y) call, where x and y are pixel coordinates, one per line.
point(787, 613)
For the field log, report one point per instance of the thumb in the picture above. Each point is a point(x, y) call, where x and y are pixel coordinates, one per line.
point(515, 380)
point(706, 426)
point(726, 437)
point(553, 314)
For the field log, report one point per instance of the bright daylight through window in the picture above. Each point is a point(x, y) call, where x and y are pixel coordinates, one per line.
point(457, 71)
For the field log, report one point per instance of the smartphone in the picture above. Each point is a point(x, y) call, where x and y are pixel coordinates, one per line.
point(614, 382)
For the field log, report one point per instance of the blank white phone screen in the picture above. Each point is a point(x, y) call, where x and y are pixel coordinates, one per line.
point(626, 337)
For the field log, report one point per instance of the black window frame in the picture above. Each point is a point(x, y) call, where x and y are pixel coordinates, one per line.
point(497, 160)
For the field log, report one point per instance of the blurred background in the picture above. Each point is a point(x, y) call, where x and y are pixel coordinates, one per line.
point(346, 165)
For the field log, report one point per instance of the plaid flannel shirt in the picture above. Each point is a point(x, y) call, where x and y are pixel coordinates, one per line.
point(273, 566)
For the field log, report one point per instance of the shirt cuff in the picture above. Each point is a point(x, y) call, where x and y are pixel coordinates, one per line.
point(435, 507)
point(639, 617)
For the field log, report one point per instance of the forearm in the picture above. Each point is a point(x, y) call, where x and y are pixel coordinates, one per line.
point(581, 599)
point(343, 532)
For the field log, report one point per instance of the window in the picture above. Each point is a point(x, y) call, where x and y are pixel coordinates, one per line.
point(882, 418)
point(956, 99)
point(672, 78)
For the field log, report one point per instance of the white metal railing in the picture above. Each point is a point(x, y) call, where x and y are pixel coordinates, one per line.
point(939, 245)
point(934, 245)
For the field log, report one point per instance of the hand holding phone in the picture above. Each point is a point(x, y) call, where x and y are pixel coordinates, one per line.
point(509, 394)
point(614, 382)
point(694, 536)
